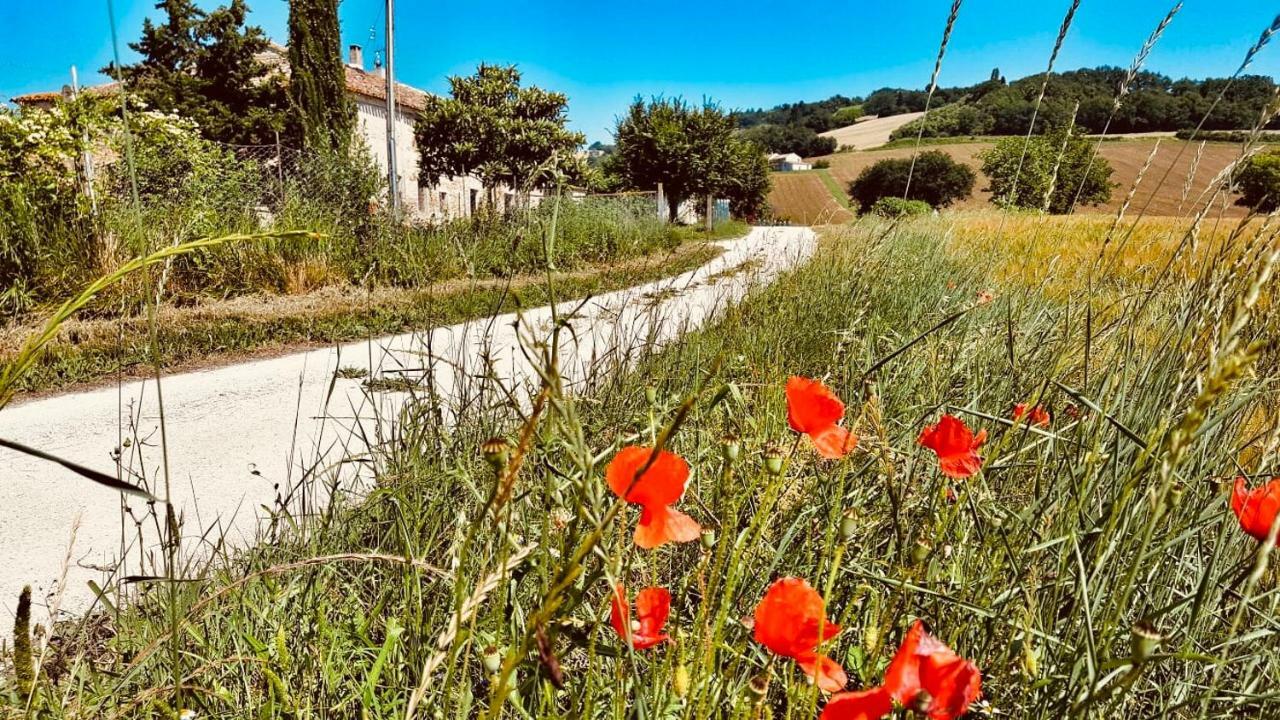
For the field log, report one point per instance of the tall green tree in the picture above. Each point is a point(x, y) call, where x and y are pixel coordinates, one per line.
point(493, 128)
point(692, 152)
point(209, 67)
point(317, 83)
point(1057, 172)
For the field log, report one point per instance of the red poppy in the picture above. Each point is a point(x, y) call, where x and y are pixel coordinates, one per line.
point(654, 491)
point(1038, 417)
point(929, 677)
point(813, 409)
point(1256, 508)
point(872, 704)
point(955, 445)
point(653, 606)
point(791, 620)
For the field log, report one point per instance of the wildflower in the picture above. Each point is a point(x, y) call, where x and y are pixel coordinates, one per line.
point(1256, 508)
point(654, 491)
point(930, 678)
point(653, 605)
point(813, 409)
point(983, 297)
point(955, 445)
point(1038, 417)
point(871, 704)
point(791, 620)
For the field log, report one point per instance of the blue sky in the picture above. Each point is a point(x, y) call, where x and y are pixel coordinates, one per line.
point(742, 54)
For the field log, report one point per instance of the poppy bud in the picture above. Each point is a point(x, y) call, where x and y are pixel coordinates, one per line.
point(1030, 659)
point(848, 524)
point(773, 460)
point(680, 681)
point(708, 538)
point(1144, 639)
point(871, 638)
point(731, 447)
point(491, 658)
point(920, 552)
point(758, 687)
point(651, 394)
point(496, 451)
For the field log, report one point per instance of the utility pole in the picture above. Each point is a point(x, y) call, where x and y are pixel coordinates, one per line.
point(392, 177)
point(87, 159)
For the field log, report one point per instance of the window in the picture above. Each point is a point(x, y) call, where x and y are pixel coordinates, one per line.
point(422, 199)
point(475, 201)
point(444, 203)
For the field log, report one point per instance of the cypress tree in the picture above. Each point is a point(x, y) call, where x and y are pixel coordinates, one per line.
point(317, 85)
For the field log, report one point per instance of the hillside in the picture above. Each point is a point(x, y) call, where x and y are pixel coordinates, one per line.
point(790, 196)
point(869, 133)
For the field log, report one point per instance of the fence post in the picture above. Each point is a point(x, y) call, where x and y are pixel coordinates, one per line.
point(711, 218)
point(280, 169)
point(662, 209)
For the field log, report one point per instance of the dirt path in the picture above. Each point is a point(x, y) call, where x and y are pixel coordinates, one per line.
point(240, 436)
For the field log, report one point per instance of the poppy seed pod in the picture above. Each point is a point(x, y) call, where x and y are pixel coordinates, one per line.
point(651, 394)
point(708, 538)
point(1144, 639)
point(920, 551)
point(491, 658)
point(848, 524)
point(731, 446)
point(921, 702)
point(496, 451)
point(758, 687)
point(773, 460)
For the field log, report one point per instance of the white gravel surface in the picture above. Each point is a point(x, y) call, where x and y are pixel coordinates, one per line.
point(240, 436)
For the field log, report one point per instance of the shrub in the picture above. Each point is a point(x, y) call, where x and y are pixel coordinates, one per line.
point(821, 164)
point(896, 207)
point(951, 120)
point(847, 115)
point(937, 180)
point(1055, 169)
point(1259, 182)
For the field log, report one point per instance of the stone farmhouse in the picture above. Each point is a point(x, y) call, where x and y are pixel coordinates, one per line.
point(450, 197)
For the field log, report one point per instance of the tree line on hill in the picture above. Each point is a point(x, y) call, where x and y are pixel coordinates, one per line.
point(1154, 103)
point(994, 106)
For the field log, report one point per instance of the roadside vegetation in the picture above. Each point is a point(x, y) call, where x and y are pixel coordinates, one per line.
point(1087, 561)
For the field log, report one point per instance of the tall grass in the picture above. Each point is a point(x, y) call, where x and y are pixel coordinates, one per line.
point(1040, 569)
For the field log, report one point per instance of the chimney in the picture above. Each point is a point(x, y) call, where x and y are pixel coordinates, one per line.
point(378, 70)
point(355, 57)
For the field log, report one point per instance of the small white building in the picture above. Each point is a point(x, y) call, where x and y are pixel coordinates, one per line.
point(787, 162)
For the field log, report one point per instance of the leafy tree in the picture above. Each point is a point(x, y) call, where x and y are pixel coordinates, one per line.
point(691, 152)
point(1055, 167)
point(937, 180)
point(492, 127)
point(318, 85)
point(1259, 182)
point(790, 138)
point(207, 67)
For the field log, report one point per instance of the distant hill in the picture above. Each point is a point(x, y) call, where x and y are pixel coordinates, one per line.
point(1155, 103)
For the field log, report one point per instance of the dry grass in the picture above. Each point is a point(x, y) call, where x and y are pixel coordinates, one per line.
point(1125, 156)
